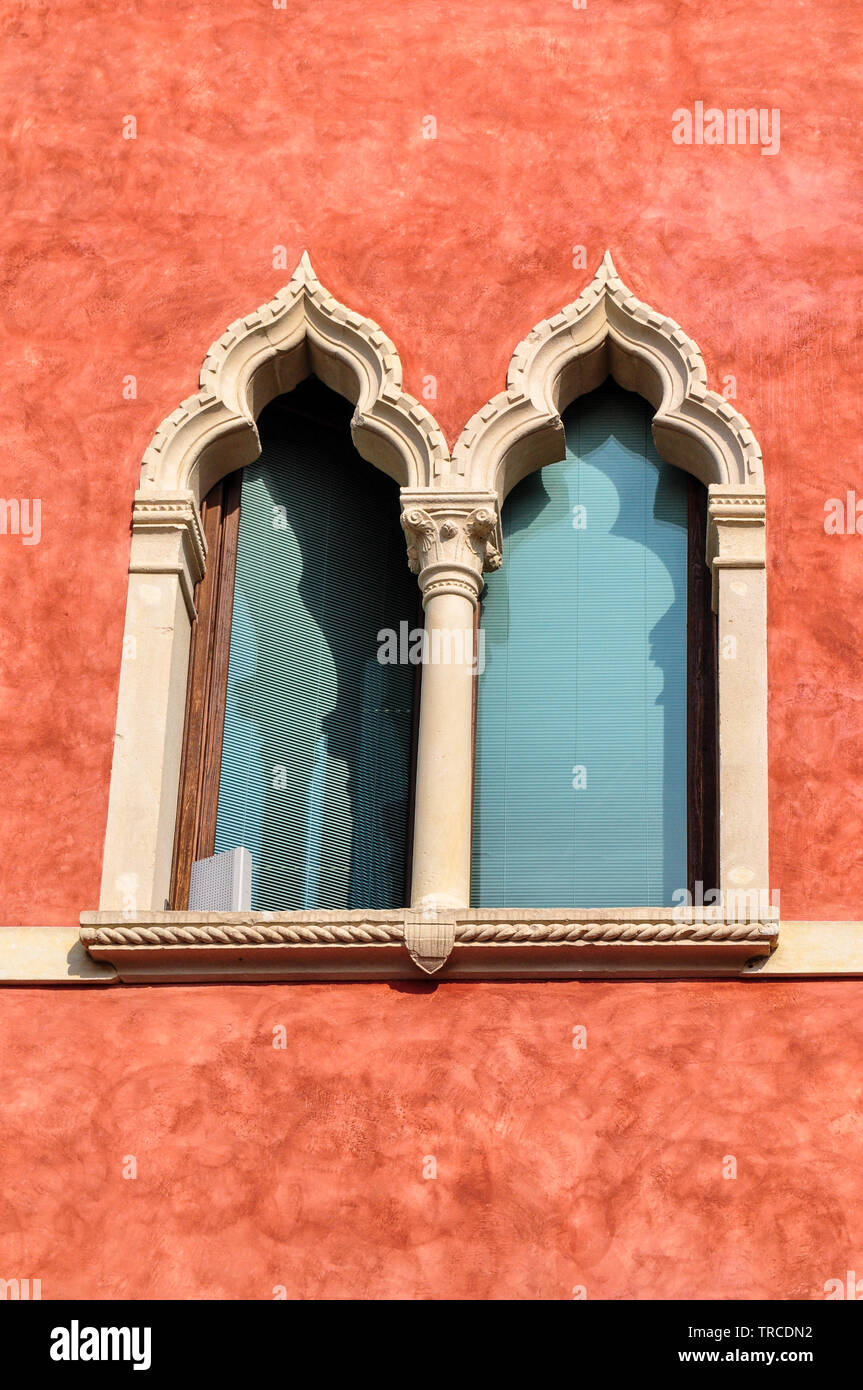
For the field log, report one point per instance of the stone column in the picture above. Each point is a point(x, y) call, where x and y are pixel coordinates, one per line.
point(452, 538)
point(736, 554)
point(166, 563)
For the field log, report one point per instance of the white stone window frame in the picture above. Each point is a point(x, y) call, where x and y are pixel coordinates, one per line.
point(451, 515)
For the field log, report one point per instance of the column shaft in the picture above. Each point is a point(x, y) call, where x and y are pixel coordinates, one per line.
point(442, 826)
point(452, 537)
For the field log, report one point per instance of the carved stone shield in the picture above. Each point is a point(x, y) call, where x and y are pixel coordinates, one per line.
point(429, 937)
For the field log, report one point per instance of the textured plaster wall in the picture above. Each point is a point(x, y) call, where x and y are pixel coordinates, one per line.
point(556, 1168)
point(259, 128)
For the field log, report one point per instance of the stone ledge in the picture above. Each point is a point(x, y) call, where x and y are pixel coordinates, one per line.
point(646, 943)
point(826, 950)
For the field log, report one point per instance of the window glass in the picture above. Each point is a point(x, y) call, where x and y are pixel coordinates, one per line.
point(580, 776)
point(316, 755)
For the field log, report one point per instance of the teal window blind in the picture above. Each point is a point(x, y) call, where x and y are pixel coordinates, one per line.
point(580, 776)
point(315, 767)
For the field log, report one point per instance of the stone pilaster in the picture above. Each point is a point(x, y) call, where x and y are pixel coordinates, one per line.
point(168, 553)
point(736, 554)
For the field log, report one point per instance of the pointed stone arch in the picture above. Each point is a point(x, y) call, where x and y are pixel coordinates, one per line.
point(607, 331)
point(302, 330)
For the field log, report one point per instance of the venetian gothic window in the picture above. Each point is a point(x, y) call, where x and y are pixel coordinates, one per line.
point(594, 780)
point(298, 740)
point(613, 748)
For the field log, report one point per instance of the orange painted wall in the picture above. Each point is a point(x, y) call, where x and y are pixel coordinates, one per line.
point(555, 1168)
point(302, 128)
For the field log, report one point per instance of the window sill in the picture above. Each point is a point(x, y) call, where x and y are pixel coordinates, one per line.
point(469, 943)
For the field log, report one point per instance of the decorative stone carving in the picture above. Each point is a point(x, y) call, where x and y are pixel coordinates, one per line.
point(422, 533)
point(483, 532)
point(451, 508)
point(471, 943)
point(606, 330)
point(452, 538)
point(302, 329)
point(429, 938)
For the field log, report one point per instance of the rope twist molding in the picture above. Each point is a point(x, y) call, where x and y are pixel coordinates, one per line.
point(585, 933)
point(365, 933)
point(245, 935)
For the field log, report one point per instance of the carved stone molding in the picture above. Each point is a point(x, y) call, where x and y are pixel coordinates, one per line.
point(736, 537)
point(56, 956)
point(606, 330)
point(452, 538)
point(302, 329)
point(466, 943)
point(168, 538)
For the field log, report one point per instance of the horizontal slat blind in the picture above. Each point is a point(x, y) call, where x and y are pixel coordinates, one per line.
point(315, 760)
point(580, 779)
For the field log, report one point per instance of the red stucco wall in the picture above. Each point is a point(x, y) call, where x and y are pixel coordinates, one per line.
point(556, 1168)
point(256, 128)
point(259, 127)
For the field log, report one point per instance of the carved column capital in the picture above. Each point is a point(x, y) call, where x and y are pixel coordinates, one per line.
point(452, 538)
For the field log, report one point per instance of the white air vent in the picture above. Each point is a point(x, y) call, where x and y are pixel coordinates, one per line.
point(223, 883)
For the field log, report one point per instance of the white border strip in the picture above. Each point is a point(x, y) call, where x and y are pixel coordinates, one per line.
point(49, 956)
point(813, 950)
point(55, 956)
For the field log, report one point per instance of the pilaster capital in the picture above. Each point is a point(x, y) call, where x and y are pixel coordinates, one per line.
point(736, 536)
point(168, 538)
point(735, 527)
point(452, 537)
